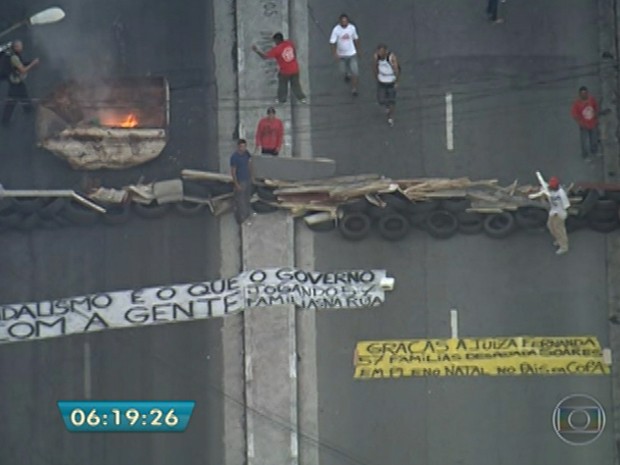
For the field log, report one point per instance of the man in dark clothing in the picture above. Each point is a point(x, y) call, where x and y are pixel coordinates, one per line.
point(285, 55)
point(18, 93)
point(492, 8)
point(241, 171)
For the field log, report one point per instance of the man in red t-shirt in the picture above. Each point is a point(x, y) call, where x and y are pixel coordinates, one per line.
point(284, 54)
point(585, 112)
point(269, 134)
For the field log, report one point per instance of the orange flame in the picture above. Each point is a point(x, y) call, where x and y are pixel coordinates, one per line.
point(130, 122)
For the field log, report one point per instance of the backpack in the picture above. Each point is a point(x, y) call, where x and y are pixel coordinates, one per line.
point(389, 55)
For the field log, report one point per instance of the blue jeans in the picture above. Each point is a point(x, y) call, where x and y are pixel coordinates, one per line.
point(589, 141)
point(242, 201)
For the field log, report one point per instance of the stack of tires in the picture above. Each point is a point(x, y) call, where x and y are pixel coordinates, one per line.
point(441, 219)
point(27, 214)
point(445, 218)
point(599, 212)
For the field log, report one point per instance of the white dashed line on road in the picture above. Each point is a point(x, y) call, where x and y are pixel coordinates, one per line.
point(454, 323)
point(449, 123)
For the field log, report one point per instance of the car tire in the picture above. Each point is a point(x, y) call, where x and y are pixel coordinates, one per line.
point(354, 226)
point(396, 201)
point(376, 213)
point(117, 214)
point(604, 226)
point(10, 219)
point(79, 215)
point(49, 224)
point(499, 225)
point(393, 227)
point(418, 220)
point(613, 195)
point(52, 208)
point(602, 215)
point(28, 204)
point(426, 206)
point(29, 222)
point(441, 224)
point(152, 210)
point(260, 206)
point(6, 203)
point(196, 189)
point(189, 208)
point(606, 204)
point(220, 188)
point(470, 222)
point(589, 202)
point(355, 206)
point(265, 193)
point(455, 205)
point(575, 223)
point(531, 217)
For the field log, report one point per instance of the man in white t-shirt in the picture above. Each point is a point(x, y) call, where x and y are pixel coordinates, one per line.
point(558, 206)
point(345, 45)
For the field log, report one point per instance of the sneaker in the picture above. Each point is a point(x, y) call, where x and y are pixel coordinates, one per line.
point(390, 122)
point(278, 101)
point(303, 100)
point(561, 251)
point(498, 21)
point(354, 92)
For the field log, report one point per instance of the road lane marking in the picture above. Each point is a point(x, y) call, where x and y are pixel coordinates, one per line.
point(454, 323)
point(87, 376)
point(449, 123)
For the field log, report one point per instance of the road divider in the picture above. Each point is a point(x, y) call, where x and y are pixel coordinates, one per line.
point(492, 356)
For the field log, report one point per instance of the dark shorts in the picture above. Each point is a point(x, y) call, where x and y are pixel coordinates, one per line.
point(269, 151)
point(386, 94)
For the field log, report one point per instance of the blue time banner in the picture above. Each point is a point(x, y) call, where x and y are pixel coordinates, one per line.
point(126, 416)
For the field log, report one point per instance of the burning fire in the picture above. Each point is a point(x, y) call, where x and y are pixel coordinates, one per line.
point(116, 120)
point(130, 122)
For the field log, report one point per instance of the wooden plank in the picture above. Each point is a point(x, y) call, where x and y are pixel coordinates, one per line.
point(36, 193)
point(321, 182)
point(206, 176)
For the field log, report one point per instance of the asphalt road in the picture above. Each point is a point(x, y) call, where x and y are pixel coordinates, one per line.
point(180, 361)
point(512, 86)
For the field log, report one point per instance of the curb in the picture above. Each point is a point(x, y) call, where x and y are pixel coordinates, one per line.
point(608, 27)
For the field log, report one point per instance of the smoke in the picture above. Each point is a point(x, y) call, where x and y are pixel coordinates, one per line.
point(87, 44)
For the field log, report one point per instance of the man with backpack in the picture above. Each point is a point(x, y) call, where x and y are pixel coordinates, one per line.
point(387, 73)
point(15, 71)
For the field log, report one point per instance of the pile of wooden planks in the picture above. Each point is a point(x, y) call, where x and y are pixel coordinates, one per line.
point(486, 196)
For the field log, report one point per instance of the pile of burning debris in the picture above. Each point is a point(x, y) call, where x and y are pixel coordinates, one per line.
point(112, 124)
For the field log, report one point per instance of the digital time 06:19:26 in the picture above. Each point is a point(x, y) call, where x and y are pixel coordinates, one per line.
point(128, 416)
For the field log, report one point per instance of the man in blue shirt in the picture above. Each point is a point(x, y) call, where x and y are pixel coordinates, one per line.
point(241, 171)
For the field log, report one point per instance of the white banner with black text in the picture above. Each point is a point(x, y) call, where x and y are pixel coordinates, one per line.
point(186, 302)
